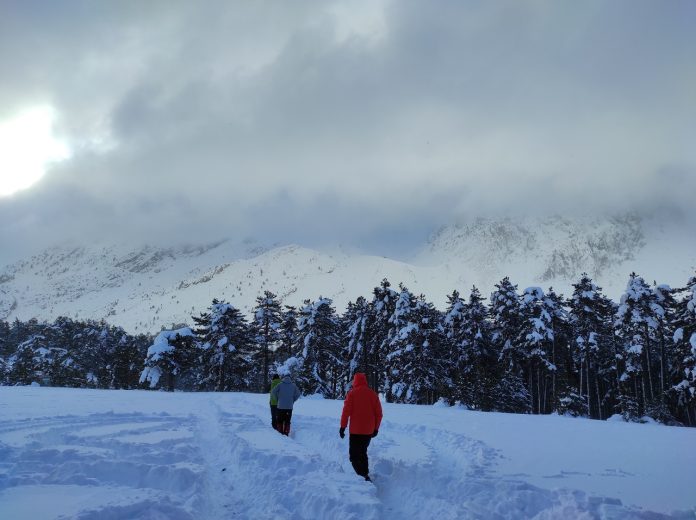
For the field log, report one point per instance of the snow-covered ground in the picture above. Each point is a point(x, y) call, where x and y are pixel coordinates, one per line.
point(90, 454)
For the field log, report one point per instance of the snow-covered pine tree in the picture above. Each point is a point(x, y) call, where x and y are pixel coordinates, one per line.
point(474, 365)
point(664, 308)
point(457, 359)
point(52, 356)
point(226, 345)
point(510, 394)
point(95, 351)
point(6, 346)
point(266, 324)
point(636, 323)
point(169, 356)
point(432, 377)
point(477, 338)
point(288, 335)
point(320, 364)
point(403, 323)
point(592, 354)
point(27, 363)
point(64, 368)
point(682, 369)
point(19, 366)
point(382, 307)
point(416, 356)
point(126, 359)
point(45, 357)
point(556, 305)
point(356, 321)
point(537, 340)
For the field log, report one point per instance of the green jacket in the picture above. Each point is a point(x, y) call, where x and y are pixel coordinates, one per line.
point(274, 383)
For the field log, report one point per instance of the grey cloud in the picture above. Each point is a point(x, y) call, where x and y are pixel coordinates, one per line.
point(257, 119)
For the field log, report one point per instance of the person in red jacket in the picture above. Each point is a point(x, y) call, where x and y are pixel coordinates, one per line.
point(363, 409)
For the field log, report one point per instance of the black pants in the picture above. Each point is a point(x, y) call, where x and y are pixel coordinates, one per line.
point(358, 453)
point(283, 420)
point(274, 416)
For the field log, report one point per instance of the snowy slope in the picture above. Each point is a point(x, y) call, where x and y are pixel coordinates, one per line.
point(144, 289)
point(85, 454)
point(555, 251)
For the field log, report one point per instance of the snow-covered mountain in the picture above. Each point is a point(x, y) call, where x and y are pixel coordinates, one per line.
point(554, 251)
point(145, 288)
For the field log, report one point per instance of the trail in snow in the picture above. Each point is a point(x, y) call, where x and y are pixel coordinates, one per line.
point(204, 456)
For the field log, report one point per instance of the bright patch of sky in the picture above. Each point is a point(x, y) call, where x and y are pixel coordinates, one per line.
point(27, 147)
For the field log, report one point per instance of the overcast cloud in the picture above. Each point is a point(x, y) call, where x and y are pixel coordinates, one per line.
point(356, 122)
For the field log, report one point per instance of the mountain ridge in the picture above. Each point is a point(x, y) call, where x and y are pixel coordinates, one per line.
point(145, 288)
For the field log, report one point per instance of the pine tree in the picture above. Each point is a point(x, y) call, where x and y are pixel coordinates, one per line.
point(4, 372)
point(592, 346)
point(127, 357)
point(510, 393)
point(320, 364)
point(637, 323)
point(288, 335)
point(379, 330)
point(536, 340)
point(664, 311)
point(95, 349)
point(169, 356)
point(415, 372)
point(457, 357)
point(507, 318)
point(6, 346)
point(477, 339)
point(6, 350)
point(401, 338)
point(559, 356)
point(357, 321)
point(473, 362)
point(682, 371)
point(61, 361)
point(25, 366)
point(267, 325)
point(226, 343)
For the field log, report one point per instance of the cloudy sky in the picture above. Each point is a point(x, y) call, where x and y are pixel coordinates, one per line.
point(363, 122)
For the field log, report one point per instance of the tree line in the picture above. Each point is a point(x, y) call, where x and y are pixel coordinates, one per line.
point(524, 351)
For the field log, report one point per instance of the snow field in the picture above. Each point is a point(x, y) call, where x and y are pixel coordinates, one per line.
point(155, 455)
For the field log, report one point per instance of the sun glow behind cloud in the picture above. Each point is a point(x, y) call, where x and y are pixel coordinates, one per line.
point(27, 147)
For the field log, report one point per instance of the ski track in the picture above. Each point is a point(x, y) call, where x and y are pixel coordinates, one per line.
point(221, 464)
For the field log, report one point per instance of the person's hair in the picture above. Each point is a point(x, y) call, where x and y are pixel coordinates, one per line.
point(276, 376)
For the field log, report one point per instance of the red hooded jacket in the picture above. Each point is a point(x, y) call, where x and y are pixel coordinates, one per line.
point(363, 408)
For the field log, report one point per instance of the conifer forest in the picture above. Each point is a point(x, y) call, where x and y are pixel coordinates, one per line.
point(519, 351)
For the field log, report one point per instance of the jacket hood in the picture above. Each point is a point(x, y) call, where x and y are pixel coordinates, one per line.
point(359, 380)
point(286, 379)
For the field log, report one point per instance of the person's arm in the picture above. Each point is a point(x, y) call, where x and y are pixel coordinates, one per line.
point(297, 394)
point(347, 409)
point(274, 392)
point(377, 406)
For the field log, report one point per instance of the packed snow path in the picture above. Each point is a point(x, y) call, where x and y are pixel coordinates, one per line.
point(88, 455)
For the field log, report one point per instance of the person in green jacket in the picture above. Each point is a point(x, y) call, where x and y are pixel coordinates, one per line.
point(274, 402)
